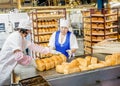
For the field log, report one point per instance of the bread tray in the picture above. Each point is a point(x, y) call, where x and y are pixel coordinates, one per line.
point(34, 81)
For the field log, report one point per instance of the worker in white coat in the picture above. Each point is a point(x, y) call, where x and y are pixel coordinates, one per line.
point(63, 40)
point(12, 54)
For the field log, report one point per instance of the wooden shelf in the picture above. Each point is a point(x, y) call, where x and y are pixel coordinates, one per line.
point(103, 34)
point(100, 28)
point(47, 25)
point(44, 24)
point(43, 33)
point(97, 21)
point(8, 4)
point(114, 26)
point(49, 17)
point(111, 20)
point(103, 15)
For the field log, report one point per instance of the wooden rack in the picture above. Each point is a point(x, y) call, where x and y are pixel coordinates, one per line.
point(45, 22)
point(99, 25)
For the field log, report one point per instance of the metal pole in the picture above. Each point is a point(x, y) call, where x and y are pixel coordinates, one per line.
point(100, 4)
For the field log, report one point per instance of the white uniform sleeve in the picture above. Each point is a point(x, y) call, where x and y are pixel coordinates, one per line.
point(41, 49)
point(73, 42)
point(27, 43)
point(52, 40)
point(14, 42)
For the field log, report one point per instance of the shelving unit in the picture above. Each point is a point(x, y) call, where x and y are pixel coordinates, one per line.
point(45, 22)
point(99, 25)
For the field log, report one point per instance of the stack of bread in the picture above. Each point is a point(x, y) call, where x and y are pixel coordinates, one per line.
point(76, 65)
point(51, 62)
point(87, 63)
point(67, 68)
point(113, 59)
point(86, 13)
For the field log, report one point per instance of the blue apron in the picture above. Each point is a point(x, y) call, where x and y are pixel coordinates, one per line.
point(62, 47)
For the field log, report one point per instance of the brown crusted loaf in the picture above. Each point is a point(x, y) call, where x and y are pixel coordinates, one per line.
point(40, 65)
point(64, 58)
point(49, 63)
point(60, 68)
point(94, 60)
point(88, 58)
point(67, 68)
point(71, 70)
point(82, 61)
point(56, 60)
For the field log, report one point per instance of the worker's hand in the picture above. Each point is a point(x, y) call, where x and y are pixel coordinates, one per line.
point(69, 53)
point(55, 52)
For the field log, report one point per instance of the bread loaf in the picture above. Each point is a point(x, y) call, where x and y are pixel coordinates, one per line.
point(74, 63)
point(47, 63)
point(108, 60)
point(82, 68)
point(88, 58)
point(116, 56)
point(94, 66)
point(40, 64)
point(64, 58)
point(56, 60)
point(82, 61)
point(60, 69)
point(59, 59)
point(71, 70)
point(94, 60)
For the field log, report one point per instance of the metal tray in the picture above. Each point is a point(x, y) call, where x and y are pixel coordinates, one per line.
point(34, 81)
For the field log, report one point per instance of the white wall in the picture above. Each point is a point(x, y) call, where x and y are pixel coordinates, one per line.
point(9, 20)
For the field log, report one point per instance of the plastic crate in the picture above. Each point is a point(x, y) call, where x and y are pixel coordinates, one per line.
point(34, 81)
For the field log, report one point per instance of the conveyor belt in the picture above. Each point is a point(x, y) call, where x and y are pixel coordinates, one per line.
point(85, 78)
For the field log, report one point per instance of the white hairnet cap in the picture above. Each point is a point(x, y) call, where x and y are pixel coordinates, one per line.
point(25, 24)
point(64, 23)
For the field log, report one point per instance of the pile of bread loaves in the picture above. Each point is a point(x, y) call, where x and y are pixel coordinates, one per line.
point(87, 63)
point(51, 62)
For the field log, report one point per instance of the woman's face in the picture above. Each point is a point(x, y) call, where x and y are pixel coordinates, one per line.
point(63, 30)
point(27, 32)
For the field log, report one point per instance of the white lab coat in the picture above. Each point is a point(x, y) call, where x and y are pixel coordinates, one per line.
point(7, 58)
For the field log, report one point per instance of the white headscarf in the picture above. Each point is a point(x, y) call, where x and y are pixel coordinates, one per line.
point(64, 23)
point(25, 24)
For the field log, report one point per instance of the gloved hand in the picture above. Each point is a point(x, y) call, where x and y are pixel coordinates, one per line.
point(22, 59)
point(55, 52)
point(69, 53)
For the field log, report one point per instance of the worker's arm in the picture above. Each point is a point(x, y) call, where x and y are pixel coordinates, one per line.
point(23, 59)
point(38, 48)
